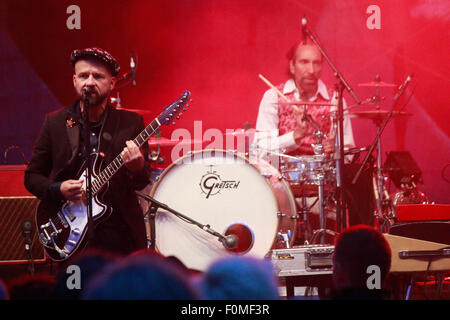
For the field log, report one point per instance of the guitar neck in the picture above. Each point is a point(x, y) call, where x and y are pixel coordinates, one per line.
point(118, 162)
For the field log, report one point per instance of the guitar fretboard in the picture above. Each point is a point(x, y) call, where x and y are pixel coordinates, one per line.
point(118, 162)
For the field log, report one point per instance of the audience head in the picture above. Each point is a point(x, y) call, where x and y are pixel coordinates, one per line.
point(3, 291)
point(142, 276)
point(356, 249)
point(91, 263)
point(239, 278)
point(32, 287)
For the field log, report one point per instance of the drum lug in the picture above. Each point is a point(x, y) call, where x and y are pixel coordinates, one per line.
point(280, 215)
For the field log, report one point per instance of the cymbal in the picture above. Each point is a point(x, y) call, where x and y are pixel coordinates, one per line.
point(377, 84)
point(163, 142)
point(243, 132)
point(307, 103)
point(376, 114)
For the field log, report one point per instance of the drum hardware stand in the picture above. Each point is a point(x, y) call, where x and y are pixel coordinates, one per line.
point(304, 212)
point(339, 153)
point(229, 241)
point(377, 143)
point(286, 237)
point(318, 150)
point(385, 209)
point(323, 230)
point(150, 216)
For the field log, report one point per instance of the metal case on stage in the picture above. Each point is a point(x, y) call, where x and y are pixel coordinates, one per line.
point(302, 260)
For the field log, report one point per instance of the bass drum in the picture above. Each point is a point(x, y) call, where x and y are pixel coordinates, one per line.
point(224, 190)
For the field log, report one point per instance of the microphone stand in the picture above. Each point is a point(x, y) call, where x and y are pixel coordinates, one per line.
point(87, 156)
point(155, 205)
point(339, 153)
point(27, 228)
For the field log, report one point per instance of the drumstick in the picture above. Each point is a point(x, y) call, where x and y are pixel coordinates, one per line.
point(276, 90)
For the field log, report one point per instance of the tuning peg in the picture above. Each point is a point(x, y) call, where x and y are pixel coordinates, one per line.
point(184, 109)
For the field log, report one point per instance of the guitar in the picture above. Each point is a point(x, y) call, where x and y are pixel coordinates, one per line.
point(63, 227)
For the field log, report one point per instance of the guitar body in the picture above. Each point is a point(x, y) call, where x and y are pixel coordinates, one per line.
point(63, 227)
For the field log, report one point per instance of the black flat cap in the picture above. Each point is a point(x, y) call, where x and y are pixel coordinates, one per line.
point(98, 54)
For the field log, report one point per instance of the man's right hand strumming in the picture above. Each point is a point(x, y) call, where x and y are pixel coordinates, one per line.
point(72, 189)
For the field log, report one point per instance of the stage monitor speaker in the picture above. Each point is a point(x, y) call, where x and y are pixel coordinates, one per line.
point(402, 168)
point(433, 231)
point(14, 211)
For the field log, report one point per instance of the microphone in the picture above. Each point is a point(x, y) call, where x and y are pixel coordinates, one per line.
point(133, 69)
point(230, 242)
point(27, 227)
point(85, 92)
point(304, 21)
point(403, 86)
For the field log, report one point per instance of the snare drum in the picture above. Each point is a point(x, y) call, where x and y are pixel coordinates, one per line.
point(304, 172)
point(221, 189)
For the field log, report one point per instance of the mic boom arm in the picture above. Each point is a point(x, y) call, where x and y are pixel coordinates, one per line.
point(229, 242)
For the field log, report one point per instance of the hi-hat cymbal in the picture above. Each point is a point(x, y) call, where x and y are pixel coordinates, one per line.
point(307, 103)
point(377, 84)
point(163, 142)
point(376, 114)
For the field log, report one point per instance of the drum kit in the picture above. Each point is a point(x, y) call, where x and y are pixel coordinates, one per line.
point(213, 203)
point(249, 204)
point(253, 205)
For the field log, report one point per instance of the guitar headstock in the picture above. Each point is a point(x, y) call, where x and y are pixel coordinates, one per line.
point(174, 110)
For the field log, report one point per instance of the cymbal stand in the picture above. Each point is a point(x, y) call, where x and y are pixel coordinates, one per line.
point(377, 142)
point(379, 196)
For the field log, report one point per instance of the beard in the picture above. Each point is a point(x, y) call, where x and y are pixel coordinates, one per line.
point(94, 98)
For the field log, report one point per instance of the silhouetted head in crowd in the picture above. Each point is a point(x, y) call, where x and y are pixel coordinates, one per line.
point(356, 249)
point(90, 263)
point(170, 259)
point(239, 278)
point(4, 295)
point(31, 287)
point(142, 276)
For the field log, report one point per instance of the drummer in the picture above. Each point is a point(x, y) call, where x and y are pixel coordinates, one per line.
point(285, 127)
point(282, 127)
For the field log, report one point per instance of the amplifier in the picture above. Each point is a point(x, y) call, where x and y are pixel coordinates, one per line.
point(12, 181)
point(13, 212)
point(302, 260)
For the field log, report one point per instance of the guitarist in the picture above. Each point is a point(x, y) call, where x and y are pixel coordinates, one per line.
point(58, 155)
